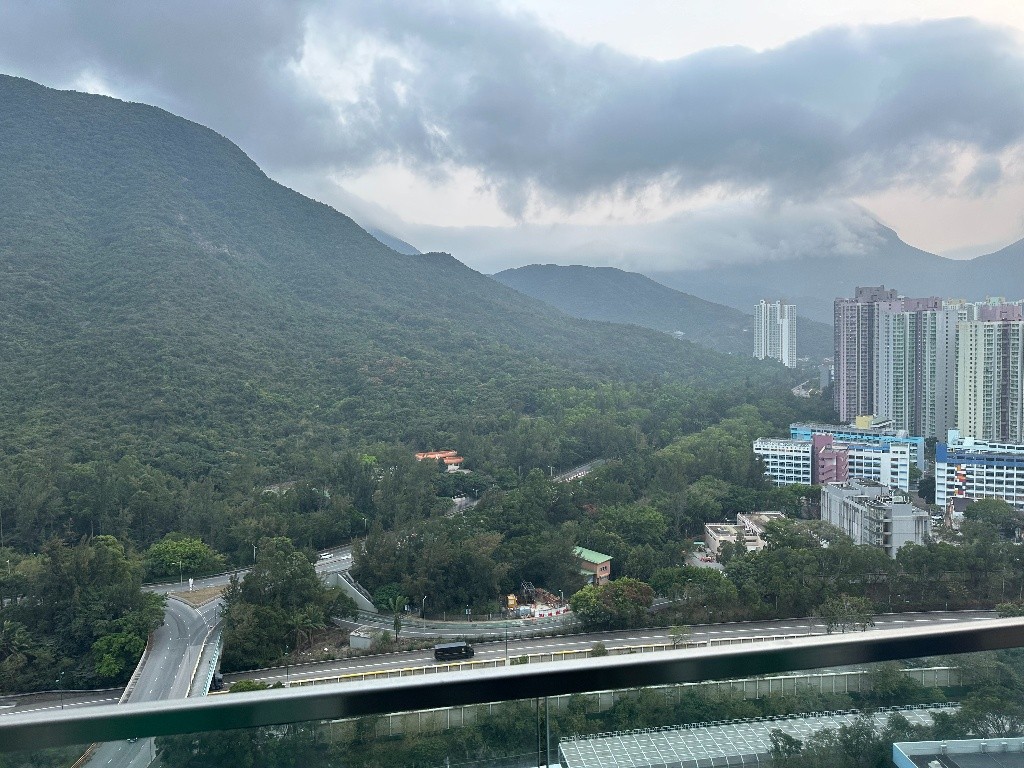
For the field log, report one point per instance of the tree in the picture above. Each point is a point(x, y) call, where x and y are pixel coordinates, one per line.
point(396, 606)
point(619, 604)
point(177, 555)
point(783, 747)
point(926, 489)
point(997, 513)
point(845, 612)
point(679, 635)
point(281, 597)
point(1006, 610)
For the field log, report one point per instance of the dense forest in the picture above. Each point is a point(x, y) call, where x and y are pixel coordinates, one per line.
point(198, 361)
point(180, 333)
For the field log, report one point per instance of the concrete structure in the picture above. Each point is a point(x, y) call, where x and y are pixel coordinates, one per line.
point(869, 432)
point(915, 365)
point(785, 461)
point(597, 567)
point(721, 743)
point(887, 465)
point(830, 462)
point(775, 332)
point(990, 376)
point(854, 363)
point(871, 514)
point(823, 459)
point(970, 469)
point(716, 534)
point(749, 529)
point(999, 752)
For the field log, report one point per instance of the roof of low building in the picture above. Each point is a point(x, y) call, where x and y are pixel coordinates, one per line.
point(591, 556)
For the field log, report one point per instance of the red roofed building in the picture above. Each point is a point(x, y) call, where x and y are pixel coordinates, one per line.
point(451, 459)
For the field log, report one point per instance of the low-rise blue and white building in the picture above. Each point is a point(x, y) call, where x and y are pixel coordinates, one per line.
point(821, 459)
point(968, 469)
point(878, 434)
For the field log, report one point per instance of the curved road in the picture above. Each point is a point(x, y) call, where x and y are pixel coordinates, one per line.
point(166, 674)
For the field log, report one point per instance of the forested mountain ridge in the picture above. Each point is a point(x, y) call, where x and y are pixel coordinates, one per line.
point(164, 299)
point(612, 295)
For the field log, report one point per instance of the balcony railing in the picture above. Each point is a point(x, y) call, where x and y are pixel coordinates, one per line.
point(531, 682)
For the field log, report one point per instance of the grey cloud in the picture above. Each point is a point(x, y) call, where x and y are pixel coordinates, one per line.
point(223, 64)
point(731, 233)
point(983, 177)
point(542, 119)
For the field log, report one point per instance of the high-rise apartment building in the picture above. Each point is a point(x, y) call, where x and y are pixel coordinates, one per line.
point(990, 375)
point(775, 332)
point(855, 338)
point(915, 365)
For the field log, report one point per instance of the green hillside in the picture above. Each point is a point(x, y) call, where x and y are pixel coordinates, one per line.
point(605, 293)
point(163, 298)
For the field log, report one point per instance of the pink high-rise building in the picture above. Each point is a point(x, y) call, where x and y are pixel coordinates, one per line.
point(855, 323)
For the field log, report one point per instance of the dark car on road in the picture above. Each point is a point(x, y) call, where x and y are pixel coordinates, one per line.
point(451, 651)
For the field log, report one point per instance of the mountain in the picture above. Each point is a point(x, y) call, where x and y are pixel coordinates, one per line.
point(164, 299)
point(612, 295)
point(394, 243)
point(1000, 273)
point(813, 281)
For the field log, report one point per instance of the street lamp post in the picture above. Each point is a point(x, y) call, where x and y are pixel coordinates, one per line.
point(254, 553)
point(60, 689)
point(423, 609)
point(506, 643)
point(181, 579)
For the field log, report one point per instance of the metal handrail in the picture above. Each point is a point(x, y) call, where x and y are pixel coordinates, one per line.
point(330, 702)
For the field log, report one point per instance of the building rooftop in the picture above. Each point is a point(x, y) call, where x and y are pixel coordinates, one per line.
point(968, 753)
point(591, 556)
point(709, 743)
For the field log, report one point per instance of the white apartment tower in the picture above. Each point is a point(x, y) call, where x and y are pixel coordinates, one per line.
point(990, 379)
point(775, 332)
point(915, 369)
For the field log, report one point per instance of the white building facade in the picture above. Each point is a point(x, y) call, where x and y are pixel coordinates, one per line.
point(990, 380)
point(970, 469)
point(775, 332)
point(792, 461)
point(915, 370)
point(874, 515)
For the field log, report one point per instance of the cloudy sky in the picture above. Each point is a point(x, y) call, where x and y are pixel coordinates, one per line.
point(590, 131)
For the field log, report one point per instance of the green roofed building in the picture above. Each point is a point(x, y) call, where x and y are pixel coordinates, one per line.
point(596, 566)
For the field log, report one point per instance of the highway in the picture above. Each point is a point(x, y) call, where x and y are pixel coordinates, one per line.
point(516, 647)
point(166, 674)
point(177, 648)
point(174, 657)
